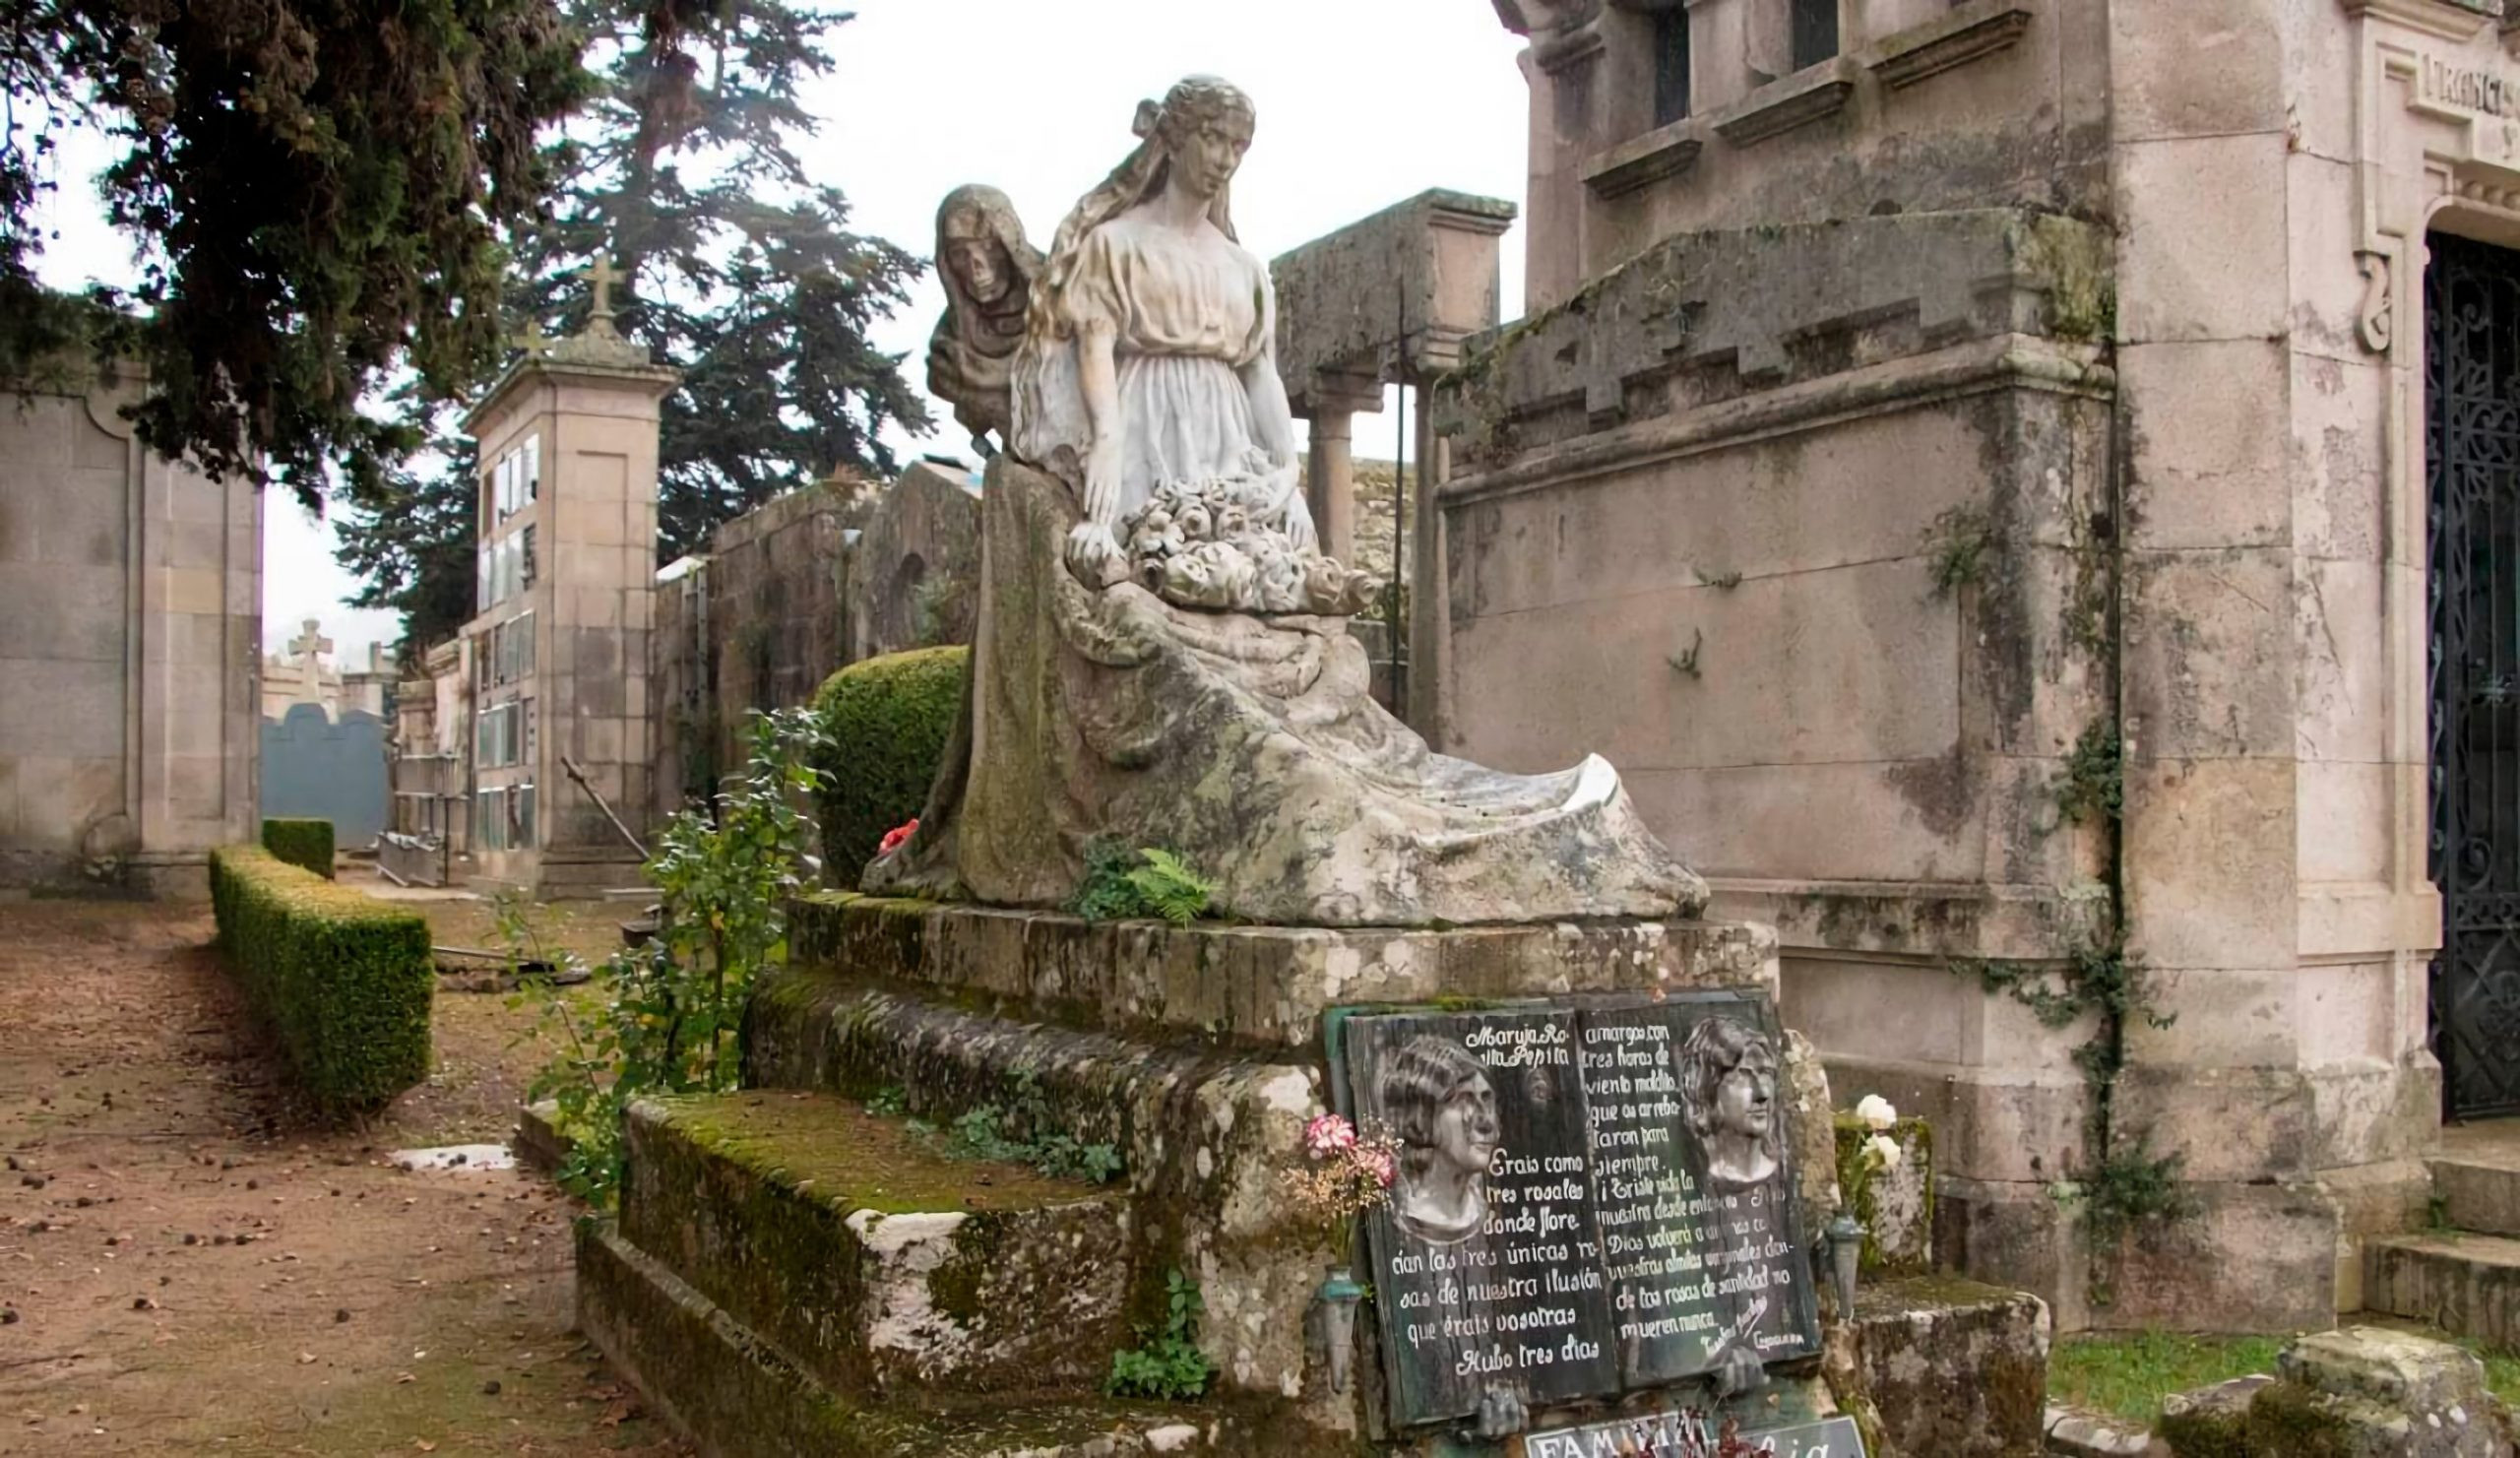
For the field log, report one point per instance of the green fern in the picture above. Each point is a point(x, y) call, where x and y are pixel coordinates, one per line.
point(1166, 887)
point(1120, 883)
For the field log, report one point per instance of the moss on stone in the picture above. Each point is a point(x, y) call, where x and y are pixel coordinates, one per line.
point(2205, 1433)
point(955, 1285)
point(850, 1159)
point(2293, 1422)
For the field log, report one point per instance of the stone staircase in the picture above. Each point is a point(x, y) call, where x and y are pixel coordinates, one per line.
point(791, 1273)
point(2464, 1275)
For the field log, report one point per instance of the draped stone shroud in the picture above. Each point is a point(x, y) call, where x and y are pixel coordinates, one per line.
point(1252, 746)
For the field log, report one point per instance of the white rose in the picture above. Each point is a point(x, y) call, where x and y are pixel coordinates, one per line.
point(1876, 1112)
point(1885, 1152)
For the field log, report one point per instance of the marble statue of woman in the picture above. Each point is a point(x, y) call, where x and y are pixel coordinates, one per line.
point(987, 267)
point(1151, 357)
point(1163, 654)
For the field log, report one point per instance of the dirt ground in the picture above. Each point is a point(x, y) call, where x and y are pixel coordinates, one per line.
point(188, 1264)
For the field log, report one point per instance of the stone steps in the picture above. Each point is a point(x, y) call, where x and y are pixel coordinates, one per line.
point(853, 1246)
point(2464, 1283)
point(737, 1395)
point(2477, 1184)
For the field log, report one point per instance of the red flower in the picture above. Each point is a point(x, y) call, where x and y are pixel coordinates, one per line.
point(898, 834)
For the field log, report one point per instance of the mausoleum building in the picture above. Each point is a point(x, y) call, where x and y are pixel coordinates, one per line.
point(2022, 490)
point(130, 619)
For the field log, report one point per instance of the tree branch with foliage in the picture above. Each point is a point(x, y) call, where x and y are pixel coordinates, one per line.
point(740, 270)
point(317, 193)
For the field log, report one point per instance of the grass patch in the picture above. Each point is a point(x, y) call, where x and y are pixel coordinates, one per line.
point(2128, 1373)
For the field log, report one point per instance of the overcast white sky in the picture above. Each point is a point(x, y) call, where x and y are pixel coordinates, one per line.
point(1363, 103)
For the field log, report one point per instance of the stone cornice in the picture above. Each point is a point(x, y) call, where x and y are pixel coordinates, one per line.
point(1807, 96)
point(2450, 20)
point(658, 380)
point(1971, 31)
point(2000, 362)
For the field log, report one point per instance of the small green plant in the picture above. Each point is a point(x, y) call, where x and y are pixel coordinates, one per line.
point(2094, 787)
point(1027, 1133)
point(2122, 1186)
point(675, 1003)
point(1167, 1364)
point(2132, 1187)
point(1957, 545)
point(889, 1101)
point(1686, 661)
point(1722, 582)
point(1120, 883)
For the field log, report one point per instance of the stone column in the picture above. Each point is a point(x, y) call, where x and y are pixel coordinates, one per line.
point(1330, 483)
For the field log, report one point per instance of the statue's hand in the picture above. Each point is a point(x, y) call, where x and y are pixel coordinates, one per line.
point(1739, 1372)
point(1102, 484)
point(1095, 555)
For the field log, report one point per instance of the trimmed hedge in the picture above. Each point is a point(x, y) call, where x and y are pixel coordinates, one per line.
point(304, 844)
point(889, 719)
point(343, 979)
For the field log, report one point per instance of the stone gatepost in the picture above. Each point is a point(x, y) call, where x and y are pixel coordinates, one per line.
point(1393, 299)
point(566, 576)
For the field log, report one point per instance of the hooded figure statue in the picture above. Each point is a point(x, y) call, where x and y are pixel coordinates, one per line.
point(987, 269)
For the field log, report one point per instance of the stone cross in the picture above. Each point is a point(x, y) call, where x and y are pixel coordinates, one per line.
point(307, 647)
point(308, 644)
point(601, 276)
point(534, 341)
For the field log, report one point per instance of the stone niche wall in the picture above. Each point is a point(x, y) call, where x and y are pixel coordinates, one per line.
point(1818, 505)
point(776, 628)
point(130, 621)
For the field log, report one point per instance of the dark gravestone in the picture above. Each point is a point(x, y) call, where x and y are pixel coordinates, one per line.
point(1592, 1198)
point(1703, 1237)
point(1488, 1270)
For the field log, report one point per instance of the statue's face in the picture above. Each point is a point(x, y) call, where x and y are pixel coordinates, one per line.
point(1209, 150)
point(1466, 1126)
point(1745, 1097)
point(982, 266)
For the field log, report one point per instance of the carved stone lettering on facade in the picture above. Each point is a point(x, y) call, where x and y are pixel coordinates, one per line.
point(1591, 1199)
point(2469, 88)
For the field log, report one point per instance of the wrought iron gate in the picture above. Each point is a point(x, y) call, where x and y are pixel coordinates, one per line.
point(2471, 457)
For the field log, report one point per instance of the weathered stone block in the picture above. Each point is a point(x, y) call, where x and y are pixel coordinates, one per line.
point(2211, 1421)
point(1257, 984)
point(1204, 1134)
point(876, 1262)
point(738, 1396)
point(2363, 1392)
point(2478, 1177)
point(2245, 1257)
point(1949, 1369)
point(2468, 1284)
